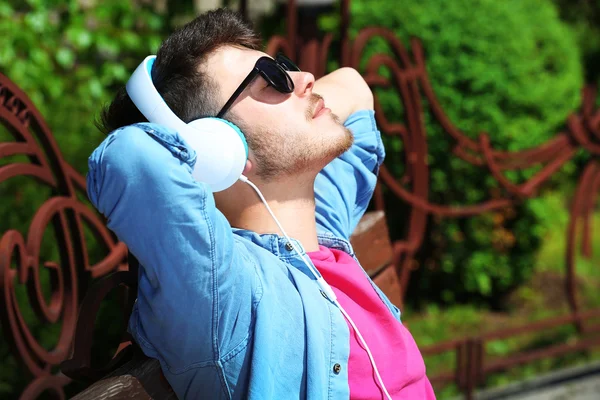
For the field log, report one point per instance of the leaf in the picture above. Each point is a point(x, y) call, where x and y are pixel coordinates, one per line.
point(6, 10)
point(65, 57)
point(484, 283)
point(95, 88)
point(36, 21)
point(82, 38)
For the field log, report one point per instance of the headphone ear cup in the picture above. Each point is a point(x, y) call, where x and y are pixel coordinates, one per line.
point(235, 128)
point(220, 146)
point(221, 151)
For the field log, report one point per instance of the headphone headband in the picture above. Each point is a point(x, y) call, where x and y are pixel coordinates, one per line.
point(144, 95)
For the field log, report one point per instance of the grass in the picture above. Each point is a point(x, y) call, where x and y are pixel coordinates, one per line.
point(542, 297)
point(551, 256)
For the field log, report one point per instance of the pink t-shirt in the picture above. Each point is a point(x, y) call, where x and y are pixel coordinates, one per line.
point(395, 352)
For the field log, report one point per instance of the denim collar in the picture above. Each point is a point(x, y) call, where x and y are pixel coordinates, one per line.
point(278, 245)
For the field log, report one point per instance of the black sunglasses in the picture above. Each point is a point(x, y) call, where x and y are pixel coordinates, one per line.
point(274, 71)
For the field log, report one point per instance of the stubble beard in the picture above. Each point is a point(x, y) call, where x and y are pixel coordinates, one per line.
point(293, 158)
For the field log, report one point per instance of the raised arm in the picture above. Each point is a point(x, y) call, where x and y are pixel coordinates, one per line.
point(345, 186)
point(140, 179)
point(345, 92)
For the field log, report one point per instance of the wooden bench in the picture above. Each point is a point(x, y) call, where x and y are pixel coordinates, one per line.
point(131, 374)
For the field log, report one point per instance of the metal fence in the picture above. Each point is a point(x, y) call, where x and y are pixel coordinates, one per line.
point(67, 215)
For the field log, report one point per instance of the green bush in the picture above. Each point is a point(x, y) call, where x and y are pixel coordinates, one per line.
point(510, 68)
point(584, 17)
point(68, 56)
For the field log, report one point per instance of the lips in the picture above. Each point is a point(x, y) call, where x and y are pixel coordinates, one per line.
point(320, 105)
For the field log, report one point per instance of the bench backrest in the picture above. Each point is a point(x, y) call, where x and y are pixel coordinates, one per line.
point(78, 287)
point(131, 374)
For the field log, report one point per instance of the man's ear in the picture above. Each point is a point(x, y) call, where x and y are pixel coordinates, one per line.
point(248, 167)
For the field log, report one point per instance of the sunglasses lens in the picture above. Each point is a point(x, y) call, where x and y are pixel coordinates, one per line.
point(276, 76)
point(286, 63)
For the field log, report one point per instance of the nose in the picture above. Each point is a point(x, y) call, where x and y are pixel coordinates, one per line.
point(303, 83)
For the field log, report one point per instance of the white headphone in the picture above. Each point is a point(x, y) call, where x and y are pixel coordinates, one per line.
point(221, 148)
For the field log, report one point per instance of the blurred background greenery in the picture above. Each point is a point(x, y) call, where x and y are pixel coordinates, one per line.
point(512, 68)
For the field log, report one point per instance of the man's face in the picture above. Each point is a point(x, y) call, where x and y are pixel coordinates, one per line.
point(286, 133)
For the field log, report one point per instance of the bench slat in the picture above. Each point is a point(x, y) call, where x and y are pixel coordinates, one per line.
point(140, 378)
point(371, 242)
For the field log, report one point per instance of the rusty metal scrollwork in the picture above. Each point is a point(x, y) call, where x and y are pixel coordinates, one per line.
point(409, 76)
point(20, 259)
point(582, 131)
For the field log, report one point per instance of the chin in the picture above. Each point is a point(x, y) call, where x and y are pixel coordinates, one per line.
point(337, 143)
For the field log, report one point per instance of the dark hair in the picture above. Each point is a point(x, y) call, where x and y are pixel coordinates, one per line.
point(189, 92)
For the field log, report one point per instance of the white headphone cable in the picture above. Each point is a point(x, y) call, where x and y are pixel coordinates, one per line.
point(324, 285)
point(367, 350)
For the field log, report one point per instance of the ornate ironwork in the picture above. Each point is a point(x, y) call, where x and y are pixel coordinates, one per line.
point(66, 215)
point(409, 77)
point(63, 213)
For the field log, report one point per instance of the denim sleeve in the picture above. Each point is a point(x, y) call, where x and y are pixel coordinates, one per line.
point(196, 288)
point(345, 186)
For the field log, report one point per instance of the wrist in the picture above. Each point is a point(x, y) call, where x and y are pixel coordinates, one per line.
point(345, 92)
point(362, 96)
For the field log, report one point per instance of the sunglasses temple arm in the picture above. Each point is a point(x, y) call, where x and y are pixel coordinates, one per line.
point(238, 91)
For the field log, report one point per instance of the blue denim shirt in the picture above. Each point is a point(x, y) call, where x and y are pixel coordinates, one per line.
point(230, 313)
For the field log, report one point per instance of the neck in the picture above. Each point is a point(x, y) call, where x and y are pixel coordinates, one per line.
point(293, 203)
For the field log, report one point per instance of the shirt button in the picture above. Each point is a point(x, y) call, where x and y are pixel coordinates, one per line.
point(337, 368)
point(324, 295)
point(289, 247)
point(183, 153)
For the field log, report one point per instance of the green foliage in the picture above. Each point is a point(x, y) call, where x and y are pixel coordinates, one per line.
point(584, 18)
point(542, 297)
point(511, 69)
point(68, 56)
point(554, 214)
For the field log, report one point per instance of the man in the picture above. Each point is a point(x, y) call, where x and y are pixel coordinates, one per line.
point(224, 303)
